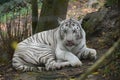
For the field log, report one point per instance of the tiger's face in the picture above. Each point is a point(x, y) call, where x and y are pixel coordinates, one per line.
point(70, 32)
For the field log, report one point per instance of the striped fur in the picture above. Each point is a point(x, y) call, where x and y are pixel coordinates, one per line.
point(53, 49)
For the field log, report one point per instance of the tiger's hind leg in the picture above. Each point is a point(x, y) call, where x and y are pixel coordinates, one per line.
point(25, 59)
point(88, 53)
point(48, 58)
point(21, 65)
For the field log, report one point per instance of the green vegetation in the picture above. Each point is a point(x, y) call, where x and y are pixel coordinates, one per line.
point(4, 1)
point(13, 15)
point(12, 9)
point(111, 2)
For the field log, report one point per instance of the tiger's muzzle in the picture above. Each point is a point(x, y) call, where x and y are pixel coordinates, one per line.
point(70, 43)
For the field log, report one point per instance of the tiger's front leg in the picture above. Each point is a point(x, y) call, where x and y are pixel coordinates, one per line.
point(69, 57)
point(88, 53)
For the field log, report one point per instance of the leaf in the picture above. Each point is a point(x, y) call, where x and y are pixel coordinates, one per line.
point(95, 73)
point(14, 44)
point(72, 79)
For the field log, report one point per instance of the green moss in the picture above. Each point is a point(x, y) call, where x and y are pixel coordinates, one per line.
point(111, 2)
point(87, 27)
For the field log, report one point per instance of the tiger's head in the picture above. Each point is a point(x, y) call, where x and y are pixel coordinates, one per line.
point(70, 31)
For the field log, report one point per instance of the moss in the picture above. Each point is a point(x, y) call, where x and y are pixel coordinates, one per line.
point(111, 2)
point(87, 27)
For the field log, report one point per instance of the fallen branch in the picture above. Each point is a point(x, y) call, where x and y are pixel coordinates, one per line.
point(100, 61)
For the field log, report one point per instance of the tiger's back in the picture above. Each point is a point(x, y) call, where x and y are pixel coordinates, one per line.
point(45, 37)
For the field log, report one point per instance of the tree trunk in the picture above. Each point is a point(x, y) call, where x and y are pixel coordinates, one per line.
point(34, 15)
point(51, 11)
point(118, 5)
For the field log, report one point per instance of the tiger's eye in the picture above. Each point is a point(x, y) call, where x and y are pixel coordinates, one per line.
point(65, 31)
point(74, 31)
point(77, 24)
point(73, 24)
point(66, 24)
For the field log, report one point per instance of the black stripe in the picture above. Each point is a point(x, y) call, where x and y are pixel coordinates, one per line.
point(42, 57)
point(23, 68)
point(49, 57)
point(38, 49)
point(82, 55)
point(52, 59)
point(37, 38)
point(48, 63)
point(32, 58)
point(30, 39)
point(54, 37)
point(81, 33)
point(24, 42)
point(82, 47)
point(60, 32)
point(42, 37)
point(23, 59)
point(18, 66)
point(45, 55)
point(70, 22)
point(47, 37)
point(14, 61)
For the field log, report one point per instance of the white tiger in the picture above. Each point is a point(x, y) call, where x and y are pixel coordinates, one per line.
point(53, 49)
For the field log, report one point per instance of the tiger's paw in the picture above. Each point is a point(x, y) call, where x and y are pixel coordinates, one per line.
point(50, 67)
point(39, 69)
point(92, 54)
point(60, 65)
point(76, 63)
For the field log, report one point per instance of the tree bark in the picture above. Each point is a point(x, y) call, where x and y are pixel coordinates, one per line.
point(50, 12)
point(34, 15)
point(118, 5)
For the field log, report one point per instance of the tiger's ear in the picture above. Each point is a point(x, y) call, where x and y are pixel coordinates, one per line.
point(80, 21)
point(59, 20)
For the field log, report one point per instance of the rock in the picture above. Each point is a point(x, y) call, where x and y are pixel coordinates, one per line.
point(104, 24)
point(92, 21)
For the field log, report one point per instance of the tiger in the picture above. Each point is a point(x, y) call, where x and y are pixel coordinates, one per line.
point(54, 49)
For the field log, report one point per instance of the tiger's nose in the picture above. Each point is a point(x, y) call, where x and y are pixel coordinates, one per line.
point(69, 41)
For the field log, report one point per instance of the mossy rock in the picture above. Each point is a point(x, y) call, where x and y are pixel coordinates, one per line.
point(92, 21)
